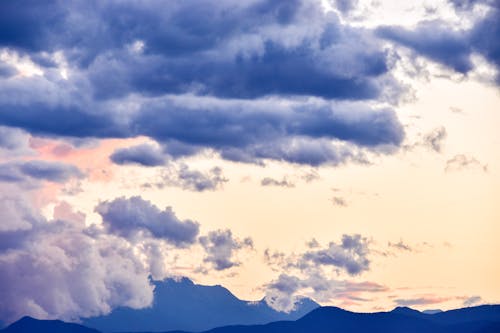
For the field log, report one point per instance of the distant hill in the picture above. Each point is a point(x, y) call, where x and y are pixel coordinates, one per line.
point(331, 320)
point(183, 305)
point(31, 325)
point(481, 319)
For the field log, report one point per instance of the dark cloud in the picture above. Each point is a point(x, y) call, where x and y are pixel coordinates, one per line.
point(38, 170)
point(143, 154)
point(229, 49)
point(350, 255)
point(267, 181)
point(434, 139)
point(129, 217)
point(435, 41)
point(464, 162)
point(193, 75)
point(442, 43)
point(249, 131)
point(220, 246)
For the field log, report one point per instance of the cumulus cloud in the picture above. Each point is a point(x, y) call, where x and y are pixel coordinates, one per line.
point(38, 170)
point(268, 181)
point(464, 162)
point(220, 246)
point(145, 154)
point(133, 217)
point(194, 76)
point(350, 255)
point(56, 269)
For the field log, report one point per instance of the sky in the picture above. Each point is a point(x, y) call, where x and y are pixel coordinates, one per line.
point(345, 151)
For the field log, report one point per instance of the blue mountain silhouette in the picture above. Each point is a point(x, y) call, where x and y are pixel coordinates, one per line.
point(31, 325)
point(481, 319)
point(183, 305)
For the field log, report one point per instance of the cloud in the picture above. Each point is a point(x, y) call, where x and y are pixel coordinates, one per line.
point(180, 175)
point(339, 202)
point(14, 142)
point(268, 181)
point(284, 292)
point(463, 162)
point(38, 170)
point(6, 70)
point(345, 6)
point(472, 301)
point(57, 269)
point(435, 41)
point(220, 246)
point(434, 139)
point(453, 48)
point(401, 246)
point(132, 217)
point(426, 300)
point(251, 81)
point(350, 255)
point(312, 272)
point(144, 154)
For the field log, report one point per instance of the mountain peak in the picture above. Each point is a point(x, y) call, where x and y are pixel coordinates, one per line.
point(405, 310)
point(178, 300)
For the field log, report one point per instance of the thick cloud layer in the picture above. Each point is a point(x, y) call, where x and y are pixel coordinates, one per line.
point(129, 217)
point(250, 80)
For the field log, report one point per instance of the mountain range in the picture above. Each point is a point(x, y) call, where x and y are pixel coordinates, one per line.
point(481, 319)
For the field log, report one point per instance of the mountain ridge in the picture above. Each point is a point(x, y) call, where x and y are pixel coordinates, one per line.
point(176, 302)
point(480, 319)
